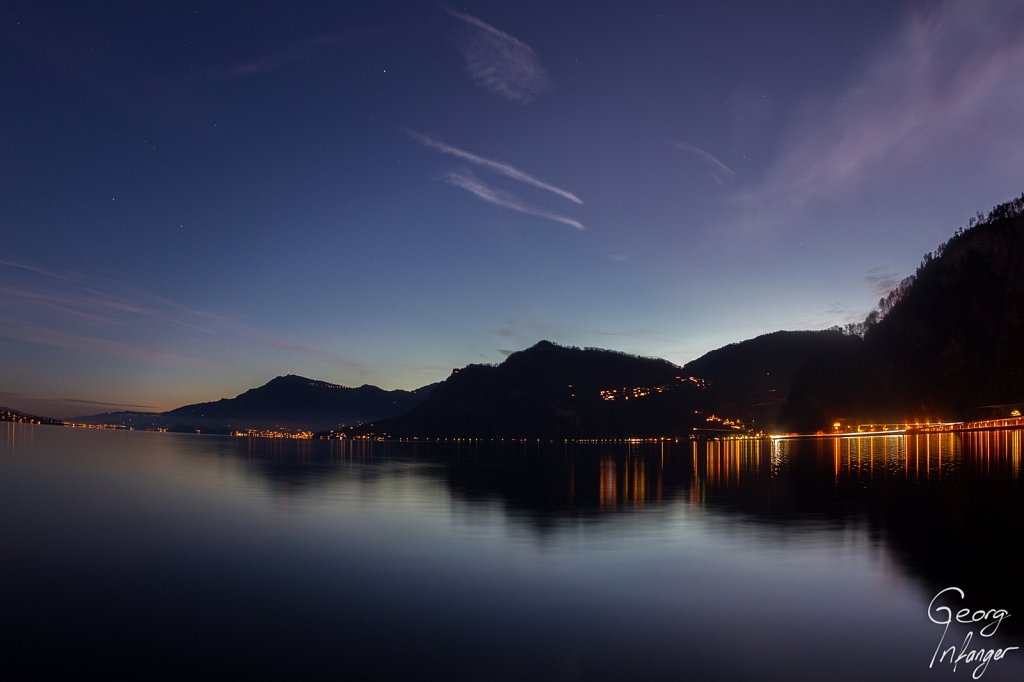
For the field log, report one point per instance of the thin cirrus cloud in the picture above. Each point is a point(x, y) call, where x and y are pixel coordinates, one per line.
point(100, 316)
point(720, 172)
point(100, 403)
point(499, 167)
point(529, 329)
point(504, 199)
point(46, 335)
point(498, 62)
point(881, 279)
point(946, 88)
point(32, 268)
point(296, 52)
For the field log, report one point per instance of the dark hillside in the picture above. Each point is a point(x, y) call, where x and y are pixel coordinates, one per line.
point(553, 391)
point(945, 344)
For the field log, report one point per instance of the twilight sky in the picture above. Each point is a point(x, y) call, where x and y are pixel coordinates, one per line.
point(200, 196)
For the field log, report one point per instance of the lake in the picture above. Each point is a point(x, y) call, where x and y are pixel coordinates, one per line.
point(193, 556)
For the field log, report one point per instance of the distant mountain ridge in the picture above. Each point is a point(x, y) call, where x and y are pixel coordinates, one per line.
point(289, 402)
point(294, 399)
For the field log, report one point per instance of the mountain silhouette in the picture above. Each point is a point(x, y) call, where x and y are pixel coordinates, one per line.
point(286, 402)
point(751, 380)
point(945, 344)
point(553, 391)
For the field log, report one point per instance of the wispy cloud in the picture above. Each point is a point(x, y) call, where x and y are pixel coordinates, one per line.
point(720, 172)
point(499, 167)
point(101, 316)
point(15, 327)
point(824, 315)
point(478, 188)
point(100, 403)
point(505, 199)
point(949, 84)
point(529, 330)
point(498, 62)
point(32, 268)
point(296, 52)
point(882, 279)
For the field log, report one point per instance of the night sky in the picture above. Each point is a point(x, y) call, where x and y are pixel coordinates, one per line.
point(197, 197)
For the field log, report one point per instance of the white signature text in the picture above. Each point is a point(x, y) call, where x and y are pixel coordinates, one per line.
point(946, 608)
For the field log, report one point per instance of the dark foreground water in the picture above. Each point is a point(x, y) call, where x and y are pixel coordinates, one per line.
point(162, 555)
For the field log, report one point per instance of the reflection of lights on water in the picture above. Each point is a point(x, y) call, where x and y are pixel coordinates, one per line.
point(728, 460)
point(859, 459)
point(775, 459)
point(922, 455)
point(631, 486)
point(638, 478)
point(1015, 454)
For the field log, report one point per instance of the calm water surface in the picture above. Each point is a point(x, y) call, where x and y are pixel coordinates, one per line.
point(165, 555)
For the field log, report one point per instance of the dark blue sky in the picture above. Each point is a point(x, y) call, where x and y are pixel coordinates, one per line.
point(199, 197)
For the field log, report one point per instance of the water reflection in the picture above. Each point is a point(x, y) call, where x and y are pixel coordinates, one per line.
point(768, 479)
point(623, 482)
point(916, 456)
point(659, 560)
point(999, 449)
point(932, 499)
point(722, 463)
